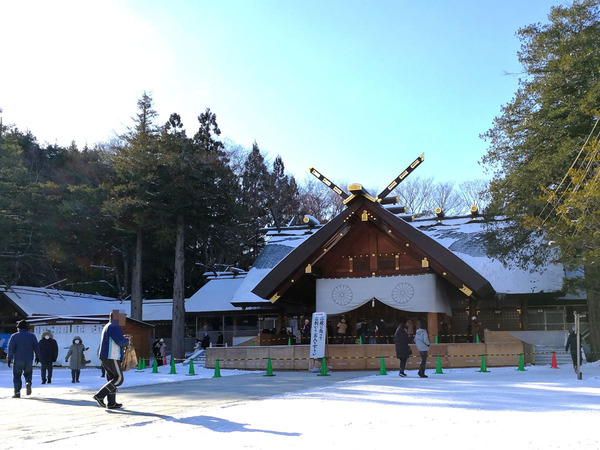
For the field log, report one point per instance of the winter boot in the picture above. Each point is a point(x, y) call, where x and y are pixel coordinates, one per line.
point(17, 394)
point(99, 397)
point(111, 397)
point(102, 393)
point(28, 388)
point(112, 401)
point(49, 380)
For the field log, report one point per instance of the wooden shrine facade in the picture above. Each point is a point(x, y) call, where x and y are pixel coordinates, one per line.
point(366, 241)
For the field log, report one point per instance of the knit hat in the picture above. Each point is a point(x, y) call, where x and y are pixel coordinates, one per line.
point(22, 324)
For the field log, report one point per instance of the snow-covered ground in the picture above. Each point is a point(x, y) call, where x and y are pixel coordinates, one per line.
point(541, 408)
point(90, 378)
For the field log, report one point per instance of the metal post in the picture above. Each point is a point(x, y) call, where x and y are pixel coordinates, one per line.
point(578, 332)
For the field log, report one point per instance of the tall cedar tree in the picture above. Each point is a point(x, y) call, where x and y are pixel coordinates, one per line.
point(266, 198)
point(536, 139)
point(255, 204)
point(135, 187)
point(283, 193)
point(193, 176)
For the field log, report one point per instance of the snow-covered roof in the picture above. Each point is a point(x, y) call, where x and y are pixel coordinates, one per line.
point(462, 236)
point(244, 295)
point(215, 296)
point(465, 238)
point(153, 310)
point(33, 300)
point(279, 245)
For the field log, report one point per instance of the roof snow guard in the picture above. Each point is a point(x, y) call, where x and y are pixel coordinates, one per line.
point(362, 207)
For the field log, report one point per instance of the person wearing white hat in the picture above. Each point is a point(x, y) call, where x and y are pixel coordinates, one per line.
point(162, 349)
point(475, 327)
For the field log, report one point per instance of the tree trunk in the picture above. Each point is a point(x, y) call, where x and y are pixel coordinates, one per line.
point(592, 277)
point(126, 278)
point(178, 330)
point(136, 279)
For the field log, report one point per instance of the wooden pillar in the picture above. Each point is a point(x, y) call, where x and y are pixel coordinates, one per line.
point(432, 325)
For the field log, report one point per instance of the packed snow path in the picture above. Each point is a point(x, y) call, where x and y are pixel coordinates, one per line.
point(541, 408)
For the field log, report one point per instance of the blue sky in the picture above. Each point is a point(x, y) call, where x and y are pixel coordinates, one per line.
point(357, 89)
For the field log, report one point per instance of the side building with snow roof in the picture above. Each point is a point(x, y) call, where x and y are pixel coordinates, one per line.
point(67, 314)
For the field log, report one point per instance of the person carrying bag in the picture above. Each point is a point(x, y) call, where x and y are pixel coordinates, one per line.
point(130, 360)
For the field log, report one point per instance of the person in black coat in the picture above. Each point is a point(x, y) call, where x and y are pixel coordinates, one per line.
point(205, 341)
point(48, 355)
point(572, 344)
point(403, 351)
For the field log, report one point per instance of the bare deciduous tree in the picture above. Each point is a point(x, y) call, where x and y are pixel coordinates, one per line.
point(475, 192)
point(416, 194)
point(444, 196)
point(318, 200)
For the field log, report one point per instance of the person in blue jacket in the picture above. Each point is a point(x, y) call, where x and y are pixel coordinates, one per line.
point(111, 355)
point(22, 347)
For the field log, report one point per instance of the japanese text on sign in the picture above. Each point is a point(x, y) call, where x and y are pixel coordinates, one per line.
point(318, 335)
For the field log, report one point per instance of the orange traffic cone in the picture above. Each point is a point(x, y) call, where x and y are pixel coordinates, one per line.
point(554, 364)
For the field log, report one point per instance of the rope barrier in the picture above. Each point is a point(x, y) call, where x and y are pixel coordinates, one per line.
point(355, 337)
point(431, 354)
point(434, 355)
point(390, 356)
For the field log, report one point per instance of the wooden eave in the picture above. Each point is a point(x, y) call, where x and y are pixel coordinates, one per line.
point(441, 260)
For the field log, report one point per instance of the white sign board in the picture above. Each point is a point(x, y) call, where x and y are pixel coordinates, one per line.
point(64, 334)
point(318, 335)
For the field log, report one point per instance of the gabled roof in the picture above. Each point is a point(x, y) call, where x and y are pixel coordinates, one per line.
point(35, 301)
point(215, 296)
point(465, 238)
point(90, 319)
point(441, 260)
point(46, 303)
